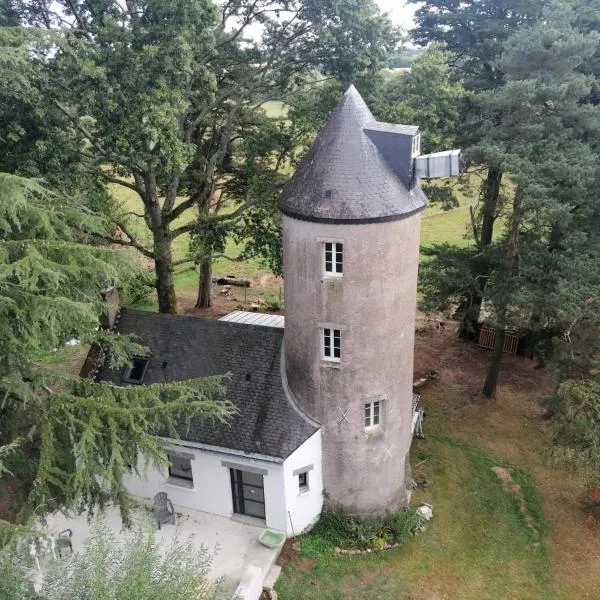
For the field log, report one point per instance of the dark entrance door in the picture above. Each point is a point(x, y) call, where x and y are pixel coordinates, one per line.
point(248, 492)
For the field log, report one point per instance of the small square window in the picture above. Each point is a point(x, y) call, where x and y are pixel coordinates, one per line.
point(303, 482)
point(332, 344)
point(334, 258)
point(137, 371)
point(180, 468)
point(372, 414)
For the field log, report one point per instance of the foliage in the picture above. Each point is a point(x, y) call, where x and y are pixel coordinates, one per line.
point(474, 32)
point(336, 528)
point(427, 96)
point(133, 567)
point(164, 97)
point(575, 412)
point(82, 437)
point(540, 135)
point(404, 58)
point(14, 575)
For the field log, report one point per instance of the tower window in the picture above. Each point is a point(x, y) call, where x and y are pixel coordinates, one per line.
point(372, 414)
point(334, 258)
point(332, 344)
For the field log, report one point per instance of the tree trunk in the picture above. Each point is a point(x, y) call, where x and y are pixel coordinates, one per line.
point(204, 284)
point(491, 380)
point(471, 305)
point(511, 251)
point(163, 267)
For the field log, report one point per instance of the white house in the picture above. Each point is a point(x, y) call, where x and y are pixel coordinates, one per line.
point(324, 404)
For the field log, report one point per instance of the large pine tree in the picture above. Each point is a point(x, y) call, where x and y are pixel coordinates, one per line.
point(79, 437)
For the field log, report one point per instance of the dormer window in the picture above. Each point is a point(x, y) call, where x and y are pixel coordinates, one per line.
point(416, 145)
point(334, 258)
point(137, 371)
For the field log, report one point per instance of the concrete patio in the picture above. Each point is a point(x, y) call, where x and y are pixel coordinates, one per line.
point(234, 545)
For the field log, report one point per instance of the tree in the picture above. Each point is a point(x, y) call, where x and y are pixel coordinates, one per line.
point(427, 96)
point(81, 437)
point(537, 127)
point(575, 412)
point(474, 33)
point(135, 567)
point(158, 95)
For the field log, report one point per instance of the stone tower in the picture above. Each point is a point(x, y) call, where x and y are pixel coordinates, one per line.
point(351, 222)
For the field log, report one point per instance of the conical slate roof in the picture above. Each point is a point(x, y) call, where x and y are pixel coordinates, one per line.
point(357, 171)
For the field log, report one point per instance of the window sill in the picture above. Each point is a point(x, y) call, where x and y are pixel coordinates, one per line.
point(332, 277)
point(373, 432)
point(180, 483)
point(303, 492)
point(331, 364)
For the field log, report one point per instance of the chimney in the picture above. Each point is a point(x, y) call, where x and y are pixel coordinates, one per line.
point(110, 297)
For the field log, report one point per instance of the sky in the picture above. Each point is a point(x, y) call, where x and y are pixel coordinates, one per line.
point(399, 11)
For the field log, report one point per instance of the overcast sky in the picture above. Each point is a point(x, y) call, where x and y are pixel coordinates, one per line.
point(399, 11)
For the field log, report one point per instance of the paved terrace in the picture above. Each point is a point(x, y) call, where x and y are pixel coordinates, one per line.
point(234, 545)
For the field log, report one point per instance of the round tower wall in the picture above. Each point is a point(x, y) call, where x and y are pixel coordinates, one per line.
point(373, 305)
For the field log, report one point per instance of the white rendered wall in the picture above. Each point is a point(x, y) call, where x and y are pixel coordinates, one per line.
point(304, 508)
point(212, 485)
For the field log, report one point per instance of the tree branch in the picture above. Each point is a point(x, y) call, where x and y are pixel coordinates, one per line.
point(129, 243)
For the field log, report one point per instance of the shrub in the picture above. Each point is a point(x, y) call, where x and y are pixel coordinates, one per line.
point(339, 529)
point(403, 523)
point(133, 567)
point(274, 303)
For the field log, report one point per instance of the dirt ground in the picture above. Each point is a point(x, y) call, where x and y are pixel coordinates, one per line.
point(513, 427)
point(262, 288)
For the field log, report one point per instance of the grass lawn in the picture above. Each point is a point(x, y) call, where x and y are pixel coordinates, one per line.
point(477, 546)
point(480, 545)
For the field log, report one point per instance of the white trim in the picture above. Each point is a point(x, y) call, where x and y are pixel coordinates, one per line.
point(372, 426)
point(330, 339)
point(225, 451)
point(177, 482)
point(334, 262)
point(302, 470)
point(241, 467)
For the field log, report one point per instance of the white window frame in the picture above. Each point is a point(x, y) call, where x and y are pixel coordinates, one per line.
point(416, 145)
point(328, 344)
point(372, 414)
point(336, 261)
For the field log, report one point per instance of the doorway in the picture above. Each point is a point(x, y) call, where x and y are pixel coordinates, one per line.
point(248, 493)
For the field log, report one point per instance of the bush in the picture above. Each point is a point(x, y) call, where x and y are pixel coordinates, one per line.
point(274, 303)
point(339, 529)
point(133, 567)
point(403, 523)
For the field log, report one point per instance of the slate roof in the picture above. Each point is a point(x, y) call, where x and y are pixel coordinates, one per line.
point(357, 171)
point(187, 347)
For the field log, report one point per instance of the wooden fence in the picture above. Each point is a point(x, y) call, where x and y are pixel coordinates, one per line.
point(487, 339)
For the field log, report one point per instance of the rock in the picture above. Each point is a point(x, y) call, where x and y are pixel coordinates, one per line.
point(425, 512)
